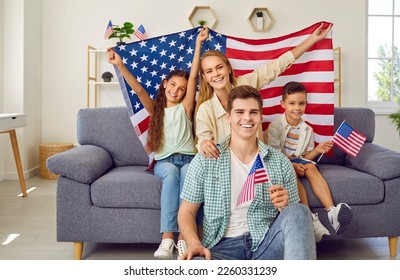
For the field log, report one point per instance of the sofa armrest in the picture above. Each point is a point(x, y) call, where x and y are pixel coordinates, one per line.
point(377, 161)
point(84, 163)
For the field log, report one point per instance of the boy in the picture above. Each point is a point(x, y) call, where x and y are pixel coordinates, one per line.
point(294, 137)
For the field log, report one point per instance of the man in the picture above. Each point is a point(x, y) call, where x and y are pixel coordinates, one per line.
point(250, 197)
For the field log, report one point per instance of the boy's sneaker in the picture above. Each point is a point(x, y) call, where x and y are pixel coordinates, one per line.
point(319, 229)
point(340, 216)
point(165, 249)
point(181, 247)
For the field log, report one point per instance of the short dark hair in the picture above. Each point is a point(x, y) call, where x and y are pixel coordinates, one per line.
point(292, 87)
point(244, 92)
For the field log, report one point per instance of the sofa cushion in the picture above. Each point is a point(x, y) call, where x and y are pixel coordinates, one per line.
point(376, 160)
point(348, 185)
point(111, 129)
point(127, 187)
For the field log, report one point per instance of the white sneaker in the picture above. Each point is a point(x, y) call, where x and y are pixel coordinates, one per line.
point(181, 247)
point(319, 229)
point(340, 216)
point(165, 249)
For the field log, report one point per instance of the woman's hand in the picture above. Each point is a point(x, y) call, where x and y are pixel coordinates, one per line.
point(209, 149)
point(320, 33)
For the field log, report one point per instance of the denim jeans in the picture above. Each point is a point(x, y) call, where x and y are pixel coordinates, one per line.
point(291, 236)
point(172, 171)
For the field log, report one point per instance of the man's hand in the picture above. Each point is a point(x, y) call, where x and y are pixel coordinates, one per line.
point(196, 251)
point(279, 196)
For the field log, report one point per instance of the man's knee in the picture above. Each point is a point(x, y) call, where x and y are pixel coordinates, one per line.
point(297, 212)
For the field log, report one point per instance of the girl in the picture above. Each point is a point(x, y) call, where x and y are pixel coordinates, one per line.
point(217, 81)
point(170, 136)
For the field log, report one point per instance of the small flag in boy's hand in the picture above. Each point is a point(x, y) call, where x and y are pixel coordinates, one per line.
point(140, 32)
point(349, 140)
point(109, 30)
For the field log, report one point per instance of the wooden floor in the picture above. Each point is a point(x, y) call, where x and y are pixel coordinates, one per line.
point(33, 221)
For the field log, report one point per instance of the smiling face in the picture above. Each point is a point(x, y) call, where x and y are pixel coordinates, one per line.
point(175, 89)
point(295, 106)
point(216, 72)
point(245, 118)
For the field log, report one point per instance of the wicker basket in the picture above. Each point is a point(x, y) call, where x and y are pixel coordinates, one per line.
point(46, 151)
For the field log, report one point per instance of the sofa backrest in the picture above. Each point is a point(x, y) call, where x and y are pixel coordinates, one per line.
point(360, 119)
point(111, 129)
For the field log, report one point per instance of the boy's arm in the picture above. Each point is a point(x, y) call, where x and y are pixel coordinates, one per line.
point(189, 100)
point(144, 97)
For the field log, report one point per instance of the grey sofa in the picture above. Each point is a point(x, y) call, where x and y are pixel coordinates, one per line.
point(105, 195)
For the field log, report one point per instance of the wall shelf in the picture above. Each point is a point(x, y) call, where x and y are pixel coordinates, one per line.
point(93, 78)
point(203, 13)
point(260, 24)
point(337, 61)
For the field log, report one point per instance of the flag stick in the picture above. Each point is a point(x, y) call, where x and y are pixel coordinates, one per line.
point(331, 140)
point(320, 156)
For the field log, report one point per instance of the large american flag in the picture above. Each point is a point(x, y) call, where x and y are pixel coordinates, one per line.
point(258, 174)
point(152, 59)
point(348, 139)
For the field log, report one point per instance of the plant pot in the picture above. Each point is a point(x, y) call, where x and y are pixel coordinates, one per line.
point(121, 43)
point(260, 23)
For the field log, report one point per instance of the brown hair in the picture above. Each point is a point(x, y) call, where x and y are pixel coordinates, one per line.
point(244, 92)
point(292, 87)
point(156, 126)
point(206, 91)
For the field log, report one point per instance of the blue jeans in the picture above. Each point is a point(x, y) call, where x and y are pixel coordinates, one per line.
point(291, 237)
point(172, 171)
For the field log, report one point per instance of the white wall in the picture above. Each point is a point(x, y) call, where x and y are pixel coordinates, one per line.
point(1, 83)
point(13, 85)
point(70, 25)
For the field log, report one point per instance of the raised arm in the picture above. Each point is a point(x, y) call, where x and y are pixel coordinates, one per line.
point(144, 97)
point(318, 34)
point(190, 97)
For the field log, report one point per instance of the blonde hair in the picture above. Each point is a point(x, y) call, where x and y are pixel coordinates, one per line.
point(206, 91)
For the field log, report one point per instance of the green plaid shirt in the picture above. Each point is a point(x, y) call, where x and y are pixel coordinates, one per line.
point(209, 181)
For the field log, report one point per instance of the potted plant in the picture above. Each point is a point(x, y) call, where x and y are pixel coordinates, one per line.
point(122, 32)
point(395, 118)
point(202, 22)
point(260, 20)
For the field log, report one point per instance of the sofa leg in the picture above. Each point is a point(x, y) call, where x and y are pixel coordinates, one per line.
point(78, 250)
point(393, 241)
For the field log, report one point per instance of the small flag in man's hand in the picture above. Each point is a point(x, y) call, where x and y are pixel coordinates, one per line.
point(348, 139)
point(257, 174)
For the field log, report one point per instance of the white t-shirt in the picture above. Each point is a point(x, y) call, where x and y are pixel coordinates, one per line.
point(238, 220)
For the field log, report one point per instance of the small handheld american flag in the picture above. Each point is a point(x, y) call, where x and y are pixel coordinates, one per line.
point(257, 174)
point(349, 140)
point(140, 32)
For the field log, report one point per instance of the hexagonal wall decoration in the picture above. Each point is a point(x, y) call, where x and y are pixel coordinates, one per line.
point(203, 13)
point(260, 19)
